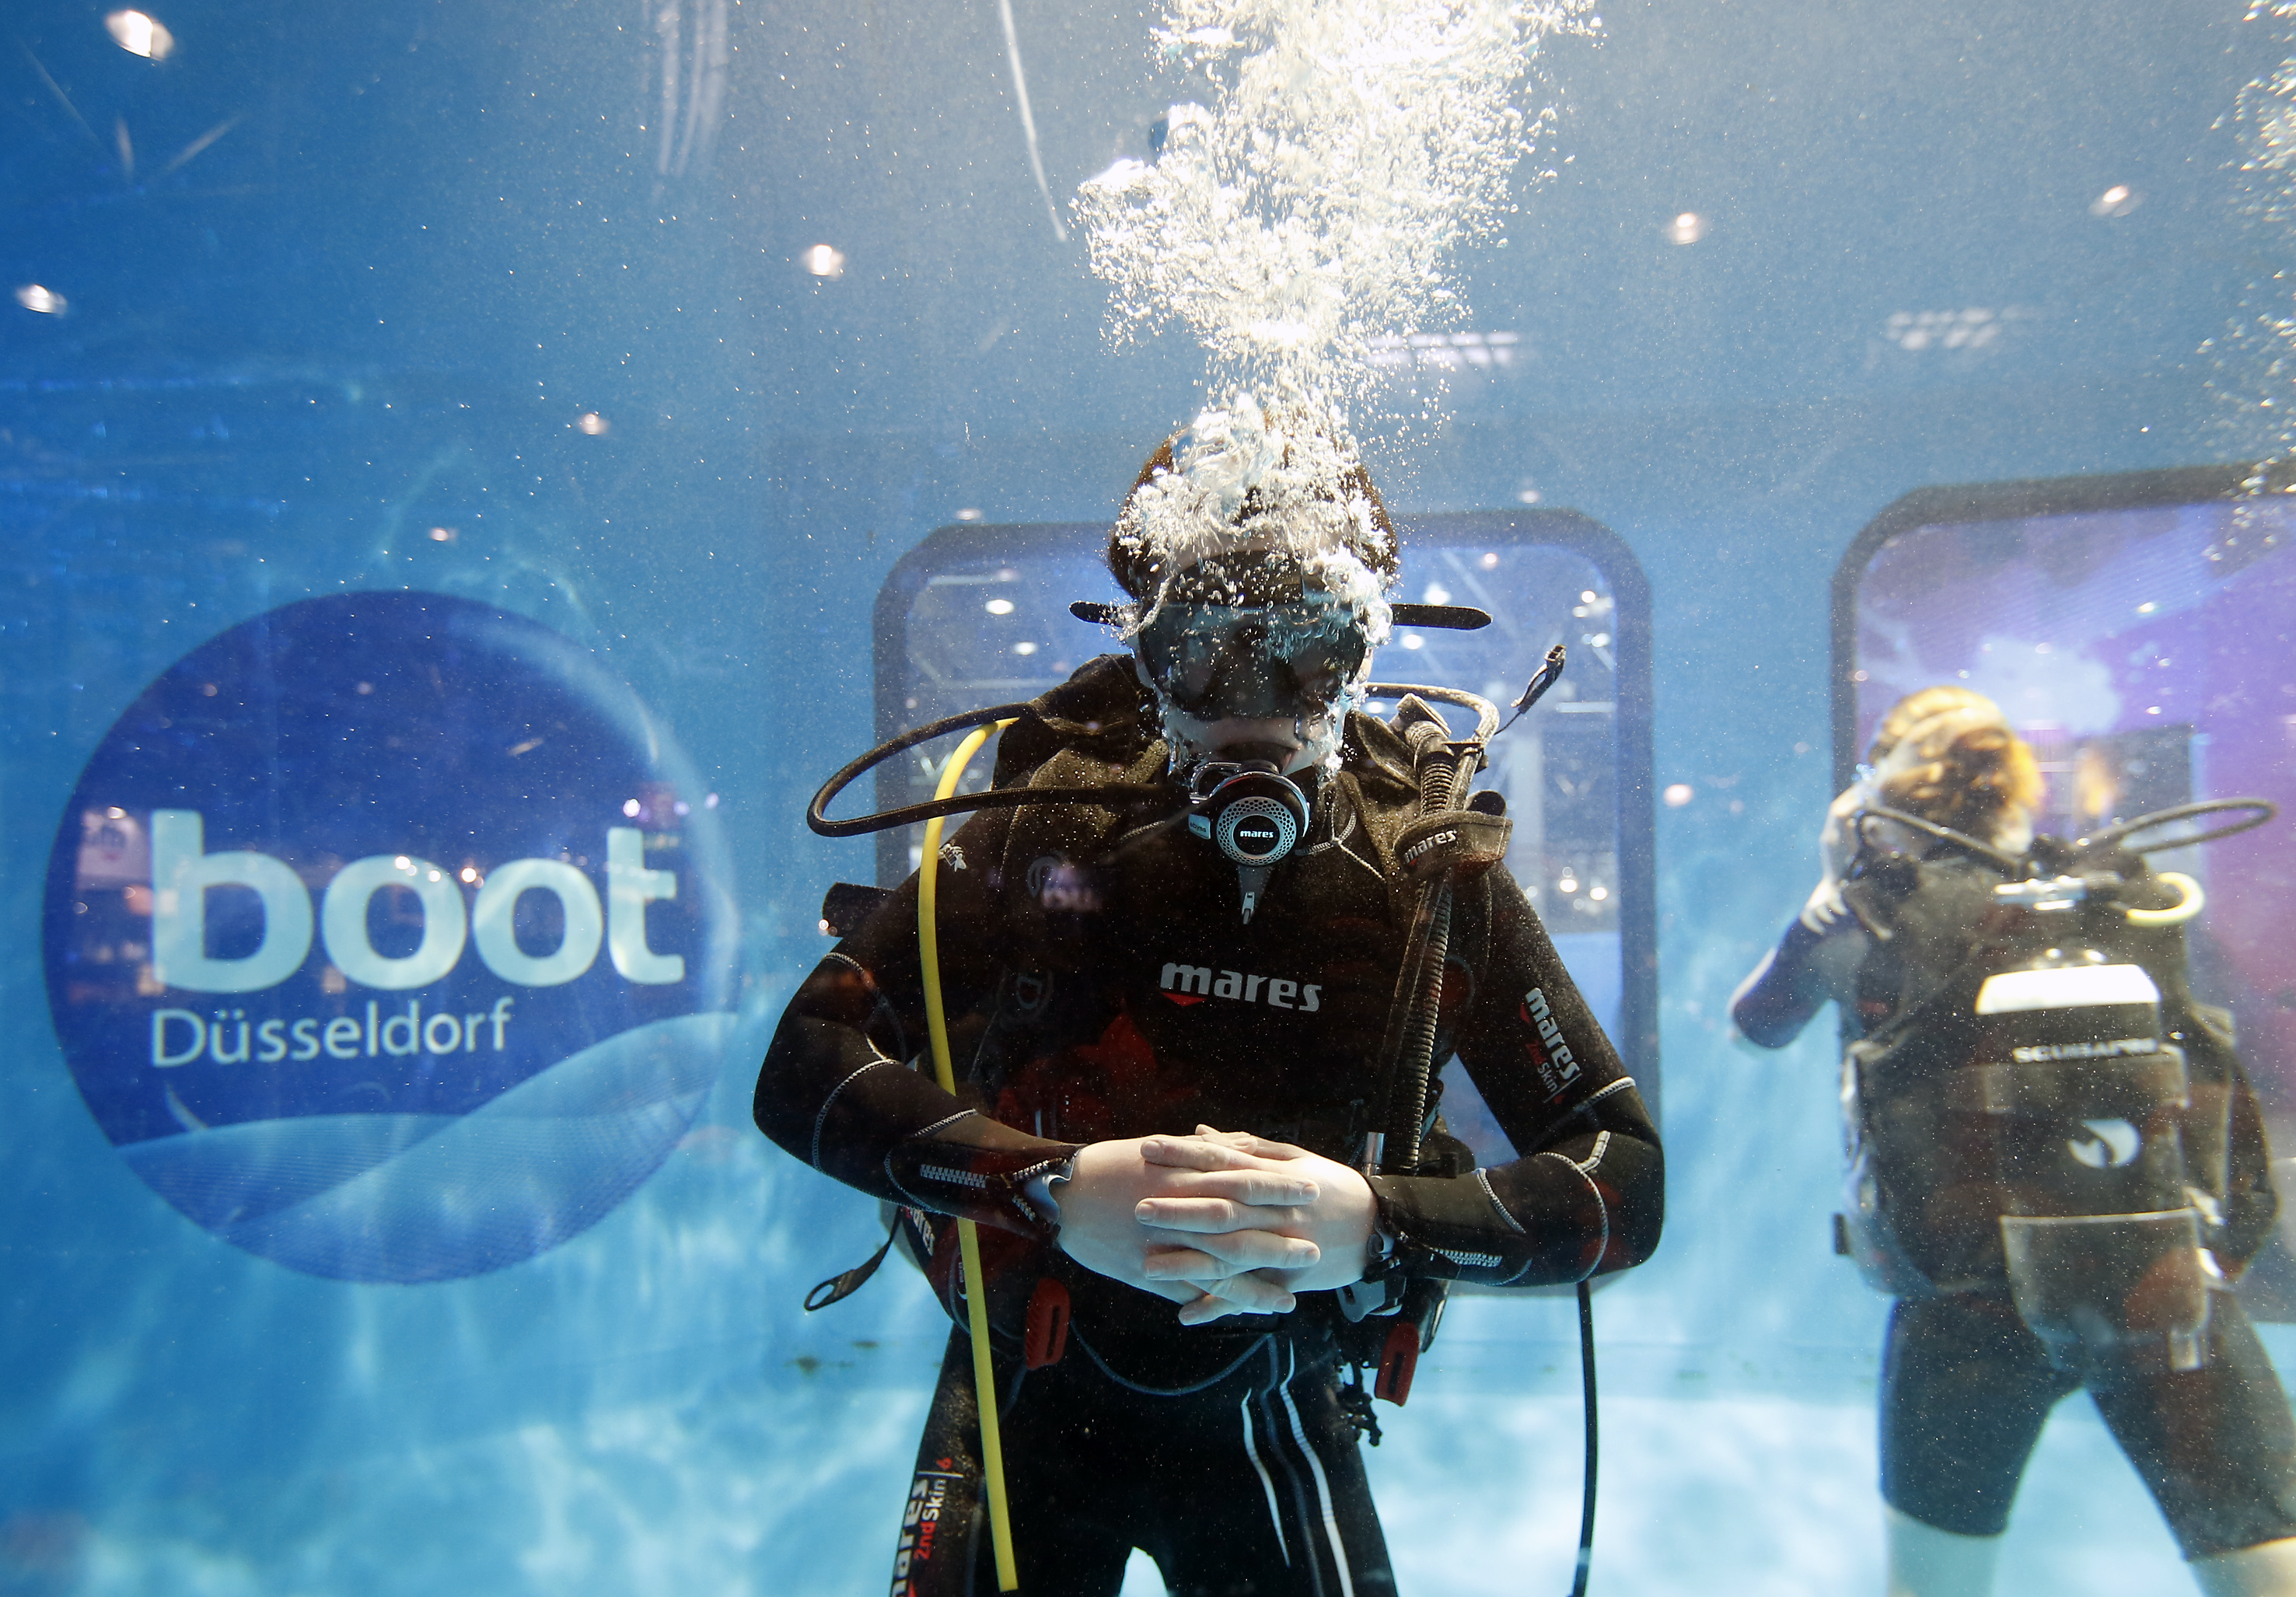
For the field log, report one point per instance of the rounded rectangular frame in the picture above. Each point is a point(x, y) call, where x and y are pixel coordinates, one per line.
point(966, 544)
point(2269, 1287)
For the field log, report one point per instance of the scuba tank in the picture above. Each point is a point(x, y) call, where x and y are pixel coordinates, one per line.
point(2033, 1112)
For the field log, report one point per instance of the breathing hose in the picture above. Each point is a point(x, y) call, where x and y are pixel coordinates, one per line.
point(1419, 989)
point(2177, 913)
point(968, 1235)
point(945, 802)
point(2259, 811)
point(1579, 1570)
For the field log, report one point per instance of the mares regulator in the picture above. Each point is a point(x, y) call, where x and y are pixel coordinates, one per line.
point(1256, 817)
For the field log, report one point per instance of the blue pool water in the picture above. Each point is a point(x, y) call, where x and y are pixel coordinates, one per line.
point(671, 328)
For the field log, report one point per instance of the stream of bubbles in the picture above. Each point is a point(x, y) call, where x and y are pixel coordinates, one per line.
point(1310, 200)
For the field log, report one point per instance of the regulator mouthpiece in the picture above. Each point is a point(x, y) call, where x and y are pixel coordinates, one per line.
point(1252, 816)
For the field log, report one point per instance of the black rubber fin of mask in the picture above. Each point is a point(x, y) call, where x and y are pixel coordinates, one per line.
point(1447, 617)
point(1443, 617)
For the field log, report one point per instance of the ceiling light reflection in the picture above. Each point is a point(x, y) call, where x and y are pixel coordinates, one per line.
point(1978, 327)
point(140, 34)
point(1687, 228)
point(31, 296)
point(1444, 351)
point(2118, 200)
point(822, 261)
point(592, 424)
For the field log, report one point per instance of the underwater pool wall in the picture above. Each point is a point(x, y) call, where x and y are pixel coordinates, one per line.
point(444, 271)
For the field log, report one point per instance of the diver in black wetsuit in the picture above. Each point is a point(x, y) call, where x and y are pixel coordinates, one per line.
point(1967, 1384)
point(1164, 1102)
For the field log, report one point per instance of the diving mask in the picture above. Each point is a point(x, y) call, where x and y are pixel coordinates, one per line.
point(1252, 638)
point(1218, 661)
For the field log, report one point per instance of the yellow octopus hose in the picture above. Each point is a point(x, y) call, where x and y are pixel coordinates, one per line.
point(2184, 910)
point(968, 1236)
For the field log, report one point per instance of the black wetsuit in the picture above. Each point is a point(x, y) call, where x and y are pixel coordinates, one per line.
point(1966, 1386)
point(1102, 984)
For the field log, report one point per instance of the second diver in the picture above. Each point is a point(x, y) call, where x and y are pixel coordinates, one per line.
point(2057, 1164)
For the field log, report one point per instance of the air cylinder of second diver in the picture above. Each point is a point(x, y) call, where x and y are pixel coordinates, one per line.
point(2083, 1101)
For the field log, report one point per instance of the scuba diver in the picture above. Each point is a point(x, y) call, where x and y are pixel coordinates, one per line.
point(2056, 1164)
point(1169, 967)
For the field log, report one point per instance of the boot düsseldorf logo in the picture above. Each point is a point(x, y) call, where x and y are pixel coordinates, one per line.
point(387, 937)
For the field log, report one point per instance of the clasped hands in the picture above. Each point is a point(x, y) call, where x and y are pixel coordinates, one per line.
point(1221, 1223)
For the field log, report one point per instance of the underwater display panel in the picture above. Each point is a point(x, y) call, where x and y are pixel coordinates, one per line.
point(2138, 632)
point(979, 615)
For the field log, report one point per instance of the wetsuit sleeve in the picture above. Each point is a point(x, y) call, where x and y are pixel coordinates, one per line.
point(1588, 1193)
point(847, 1083)
point(1778, 999)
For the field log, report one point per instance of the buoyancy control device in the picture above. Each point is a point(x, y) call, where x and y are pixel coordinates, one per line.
point(2037, 1105)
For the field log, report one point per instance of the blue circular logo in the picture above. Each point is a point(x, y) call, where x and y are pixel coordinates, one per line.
point(389, 937)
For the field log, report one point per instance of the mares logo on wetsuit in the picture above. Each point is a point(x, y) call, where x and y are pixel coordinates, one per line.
point(387, 938)
point(1412, 854)
point(1186, 985)
point(921, 1522)
point(1557, 1067)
